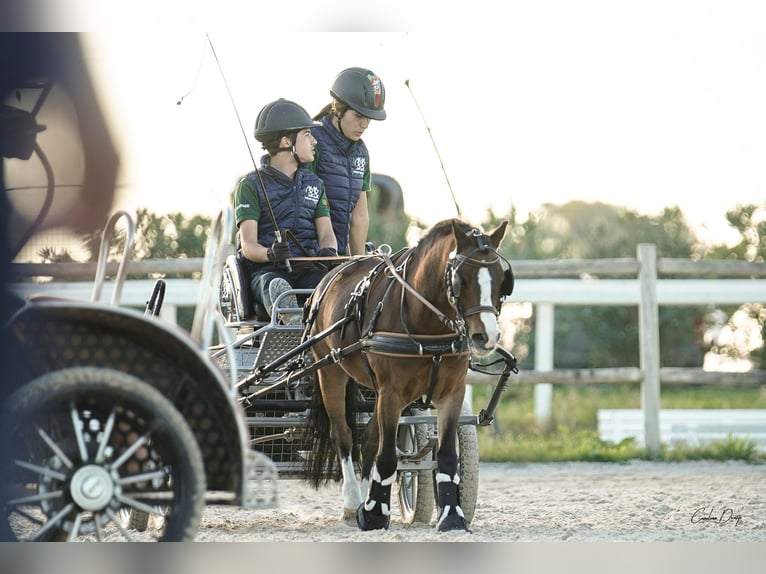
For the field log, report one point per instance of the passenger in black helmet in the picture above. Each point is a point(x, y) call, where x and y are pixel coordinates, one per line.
point(283, 197)
point(342, 159)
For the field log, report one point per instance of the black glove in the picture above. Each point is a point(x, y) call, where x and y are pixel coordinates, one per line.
point(327, 252)
point(279, 252)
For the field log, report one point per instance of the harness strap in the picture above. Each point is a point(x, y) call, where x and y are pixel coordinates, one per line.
point(333, 357)
point(451, 323)
point(370, 372)
point(407, 346)
point(378, 309)
point(436, 362)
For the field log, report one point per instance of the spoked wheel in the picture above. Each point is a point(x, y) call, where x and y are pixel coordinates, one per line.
point(415, 487)
point(89, 445)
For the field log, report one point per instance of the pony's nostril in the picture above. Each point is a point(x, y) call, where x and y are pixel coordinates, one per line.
point(480, 339)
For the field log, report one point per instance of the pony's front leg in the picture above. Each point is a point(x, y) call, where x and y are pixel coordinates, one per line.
point(375, 512)
point(451, 515)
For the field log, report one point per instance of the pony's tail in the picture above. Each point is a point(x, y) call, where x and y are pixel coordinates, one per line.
point(321, 464)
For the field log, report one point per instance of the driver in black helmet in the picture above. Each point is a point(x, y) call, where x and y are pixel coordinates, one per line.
point(342, 159)
point(283, 199)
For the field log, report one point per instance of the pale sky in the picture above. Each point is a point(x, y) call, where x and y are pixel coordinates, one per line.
point(642, 104)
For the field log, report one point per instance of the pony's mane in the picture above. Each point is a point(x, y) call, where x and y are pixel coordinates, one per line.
point(441, 229)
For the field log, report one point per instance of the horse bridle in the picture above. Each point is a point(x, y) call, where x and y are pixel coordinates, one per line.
point(454, 284)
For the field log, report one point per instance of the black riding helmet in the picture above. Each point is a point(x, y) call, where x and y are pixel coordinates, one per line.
point(362, 90)
point(281, 116)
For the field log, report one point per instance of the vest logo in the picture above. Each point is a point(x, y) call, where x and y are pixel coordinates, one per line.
point(312, 192)
point(358, 164)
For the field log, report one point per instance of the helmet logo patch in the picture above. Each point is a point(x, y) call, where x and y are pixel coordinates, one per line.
point(376, 88)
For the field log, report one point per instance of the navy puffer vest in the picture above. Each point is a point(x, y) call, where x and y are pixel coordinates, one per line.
point(294, 204)
point(341, 164)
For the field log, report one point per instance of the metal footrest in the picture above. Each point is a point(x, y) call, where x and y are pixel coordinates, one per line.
point(261, 477)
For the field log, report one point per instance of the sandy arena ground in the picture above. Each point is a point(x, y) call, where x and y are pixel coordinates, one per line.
point(634, 502)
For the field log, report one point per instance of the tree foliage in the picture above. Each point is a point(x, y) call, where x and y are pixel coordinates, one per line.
point(750, 223)
point(735, 333)
point(607, 336)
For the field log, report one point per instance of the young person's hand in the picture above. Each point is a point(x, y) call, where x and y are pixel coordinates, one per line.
point(327, 252)
point(279, 253)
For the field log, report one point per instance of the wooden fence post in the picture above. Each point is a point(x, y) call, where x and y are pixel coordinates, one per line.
point(649, 347)
point(544, 329)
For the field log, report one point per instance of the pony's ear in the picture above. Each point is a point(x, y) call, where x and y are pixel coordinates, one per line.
point(461, 237)
point(497, 235)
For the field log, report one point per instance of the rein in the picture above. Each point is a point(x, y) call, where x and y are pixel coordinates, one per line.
point(457, 325)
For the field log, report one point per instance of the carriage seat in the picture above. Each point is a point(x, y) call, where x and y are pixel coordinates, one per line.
point(235, 298)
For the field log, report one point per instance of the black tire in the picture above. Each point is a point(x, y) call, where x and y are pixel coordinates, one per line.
point(468, 461)
point(468, 447)
point(133, 450)
point(415, 487)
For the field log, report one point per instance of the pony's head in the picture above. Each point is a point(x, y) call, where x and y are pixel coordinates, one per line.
point(478, 279)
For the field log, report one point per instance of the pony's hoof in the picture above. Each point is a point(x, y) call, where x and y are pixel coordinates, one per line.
point(349, 516)
point(368, 521)
point(453, 522)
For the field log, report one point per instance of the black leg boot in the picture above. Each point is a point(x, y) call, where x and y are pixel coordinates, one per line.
point(374, 513)
point(451, 517)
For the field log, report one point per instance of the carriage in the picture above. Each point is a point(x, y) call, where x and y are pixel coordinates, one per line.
point(120, 426)
point(125, 427)
point(277, 366)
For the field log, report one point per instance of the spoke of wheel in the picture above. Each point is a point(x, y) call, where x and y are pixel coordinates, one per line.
point(129, 452)
point(144, 476)
point(75, 528)
point(156, 496)
point(78, 428)
point(54, 447)
point(97, 522)
point(54, 521)
point(140, 505)
point(43, 470)
point(107, 435)
point(37, 497)
point(113, 517)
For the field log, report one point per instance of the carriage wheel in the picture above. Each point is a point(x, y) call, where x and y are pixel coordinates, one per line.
point(415, 487)
point(468, 460)
point(90, 444)
point(468, 445)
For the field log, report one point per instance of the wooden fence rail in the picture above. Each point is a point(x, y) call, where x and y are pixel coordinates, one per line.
point(545, 284)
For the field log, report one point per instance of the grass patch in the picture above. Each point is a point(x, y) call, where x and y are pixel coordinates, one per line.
point(515, 436)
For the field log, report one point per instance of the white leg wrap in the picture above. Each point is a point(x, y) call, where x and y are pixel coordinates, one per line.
point(352, 497)
point(441, 477)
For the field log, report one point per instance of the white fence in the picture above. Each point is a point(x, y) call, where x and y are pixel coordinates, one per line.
point(692, 427)
point(545, 284)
